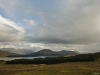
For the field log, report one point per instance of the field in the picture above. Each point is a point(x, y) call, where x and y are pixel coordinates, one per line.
point(73, 68)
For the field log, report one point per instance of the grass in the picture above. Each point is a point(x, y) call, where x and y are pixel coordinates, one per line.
point(73, 68)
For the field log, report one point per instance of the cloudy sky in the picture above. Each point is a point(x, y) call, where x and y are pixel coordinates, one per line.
point(51, 24)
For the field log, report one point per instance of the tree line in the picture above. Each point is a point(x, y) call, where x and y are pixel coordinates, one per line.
point(56, 60)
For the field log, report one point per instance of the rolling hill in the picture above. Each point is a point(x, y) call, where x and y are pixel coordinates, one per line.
point(6, 54)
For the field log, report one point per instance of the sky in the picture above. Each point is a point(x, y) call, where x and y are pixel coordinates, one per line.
point(50, 24)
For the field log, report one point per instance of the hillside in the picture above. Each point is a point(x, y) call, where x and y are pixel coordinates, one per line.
point(6, 54)
point(17, 51)
point(48, 52)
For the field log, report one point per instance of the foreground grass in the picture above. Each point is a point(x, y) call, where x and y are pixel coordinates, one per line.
point(73, 68)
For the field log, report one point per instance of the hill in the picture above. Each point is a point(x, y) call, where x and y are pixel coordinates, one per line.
point(66, 53)
point(48, 52)
point(17, 51)
point(6, 54)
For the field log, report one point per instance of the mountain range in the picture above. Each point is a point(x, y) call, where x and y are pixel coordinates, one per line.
point(48, 52)
point(17, 51)
point(45, 52)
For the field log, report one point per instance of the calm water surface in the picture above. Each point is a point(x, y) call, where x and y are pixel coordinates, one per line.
point(13, 58)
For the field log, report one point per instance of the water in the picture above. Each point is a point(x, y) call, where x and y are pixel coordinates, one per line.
point(13, 58)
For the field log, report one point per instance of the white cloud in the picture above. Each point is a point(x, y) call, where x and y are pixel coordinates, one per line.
point(72, 22)
point(10, 31)
point(64, 22)
point(21, 46)
point(30, 22)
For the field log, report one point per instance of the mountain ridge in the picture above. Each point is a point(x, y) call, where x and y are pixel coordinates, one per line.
point(48, 52)
point(44, 52)
point(7, 54)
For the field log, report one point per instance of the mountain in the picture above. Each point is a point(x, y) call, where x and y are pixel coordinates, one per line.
point(17, 51)
point(48, 52)
point(6, 54)
point(11, 52)
point(64, 53)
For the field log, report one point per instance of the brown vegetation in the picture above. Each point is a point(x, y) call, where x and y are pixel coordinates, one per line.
point(73, 68)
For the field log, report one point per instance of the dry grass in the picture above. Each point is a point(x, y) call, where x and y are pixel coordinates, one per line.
point(77, 68)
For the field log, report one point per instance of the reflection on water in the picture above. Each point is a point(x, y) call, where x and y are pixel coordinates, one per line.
point(13, 58)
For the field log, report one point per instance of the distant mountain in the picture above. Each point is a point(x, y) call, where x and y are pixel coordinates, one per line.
point(11, 52)
point(6, 54)
point(48, 52)
point(17, 51)
point(65, 52)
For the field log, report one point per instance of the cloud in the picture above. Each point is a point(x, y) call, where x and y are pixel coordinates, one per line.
point(30, 22)
point(16, 8)
point(72, 22)
point(26, 47)
point(67, 21)
point(56, 24)
point(22, 46)
point(10, 31)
